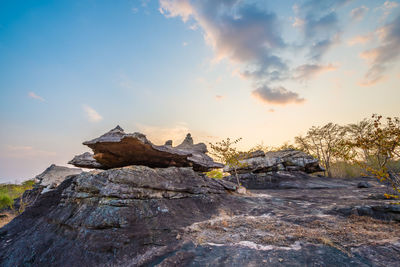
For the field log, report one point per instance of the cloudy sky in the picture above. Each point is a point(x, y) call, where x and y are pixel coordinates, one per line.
point(265, 71)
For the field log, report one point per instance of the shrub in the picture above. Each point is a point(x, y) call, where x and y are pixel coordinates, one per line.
point(5, 201)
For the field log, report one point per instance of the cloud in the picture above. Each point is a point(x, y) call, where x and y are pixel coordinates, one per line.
point(35, 96)
point(379, 58)
point(309, 71)
point(359, 13)
point(387, 8)
point(241, 32)
point(360, 39)
point(320, 25)
point(92, 114)
point(271, 110)
point(184, 44)
point(219, 97)
point(278, 95)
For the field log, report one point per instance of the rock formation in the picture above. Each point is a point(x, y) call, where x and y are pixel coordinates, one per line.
point(48, 180)
point(118, 149)
point(283, 160)
point(168, 214)
point(54, 175)
point(141, 216)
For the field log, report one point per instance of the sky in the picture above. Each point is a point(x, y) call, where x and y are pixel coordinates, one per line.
point(262, 70)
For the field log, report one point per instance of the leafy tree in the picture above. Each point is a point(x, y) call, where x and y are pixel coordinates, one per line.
point(382, 141)
point(226, 152)
point(325, 143)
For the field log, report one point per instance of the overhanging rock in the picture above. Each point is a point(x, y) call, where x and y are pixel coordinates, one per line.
point(118, 149)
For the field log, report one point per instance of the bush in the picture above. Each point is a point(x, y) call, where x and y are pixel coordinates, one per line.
point(347, 170)
point(9, 192)
point(5, 201)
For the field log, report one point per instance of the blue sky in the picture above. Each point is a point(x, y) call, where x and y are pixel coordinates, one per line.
point(262, 70)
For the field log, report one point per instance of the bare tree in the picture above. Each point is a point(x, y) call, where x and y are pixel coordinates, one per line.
point(325, 143)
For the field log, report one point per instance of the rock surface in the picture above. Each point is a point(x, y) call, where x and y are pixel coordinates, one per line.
point(118, 149)
point(54, 175)
point(285, 180)
point(139, 216)
point(283, 160)
point(48, 180)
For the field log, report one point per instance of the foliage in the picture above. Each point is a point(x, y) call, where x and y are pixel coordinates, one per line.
point(325, 143)
point(216, 174)
point(382, 142)
point(346, 169)
point(9, 192)
point(5, 201)
point(226, 152)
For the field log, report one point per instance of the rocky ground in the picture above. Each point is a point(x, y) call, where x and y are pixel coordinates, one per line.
point(138, 216)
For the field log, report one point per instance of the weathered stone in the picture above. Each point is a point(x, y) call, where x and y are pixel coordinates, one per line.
point(283, 160)
point(285, 180)
point(139, 216)
point(85, 160)
point(118, 149)
point(363, 185)
point(55, 175)
point(48, 180)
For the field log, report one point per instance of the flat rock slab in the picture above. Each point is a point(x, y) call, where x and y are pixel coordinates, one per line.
point(290, 180)
point(117, 149)
point(283, 160)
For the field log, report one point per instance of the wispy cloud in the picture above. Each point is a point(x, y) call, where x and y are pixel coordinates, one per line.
point(360, 39)
point(92, 115)
point(184, 44)
point(359, 13)
point(35, 96)
point(387, 8)
point(379, 58)
point(219, 97)
point(309, 71)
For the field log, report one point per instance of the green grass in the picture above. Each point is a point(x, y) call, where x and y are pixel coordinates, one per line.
point(9, 192)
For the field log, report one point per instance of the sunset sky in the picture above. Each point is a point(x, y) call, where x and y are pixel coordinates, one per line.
point(265, 71)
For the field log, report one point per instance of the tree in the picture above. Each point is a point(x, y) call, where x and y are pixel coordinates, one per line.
point(325, 143)
point(382, 141)
point(226, 152)
point(359, 131)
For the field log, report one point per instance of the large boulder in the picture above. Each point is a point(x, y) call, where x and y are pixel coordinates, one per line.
point(117, 149)
point(283, 160)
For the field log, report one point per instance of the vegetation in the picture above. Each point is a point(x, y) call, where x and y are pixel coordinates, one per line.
point(380, 146)
point(227, 153)
point(9, 192)
point(324, 143)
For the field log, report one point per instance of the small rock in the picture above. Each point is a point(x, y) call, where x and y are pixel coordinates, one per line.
point(364, 185)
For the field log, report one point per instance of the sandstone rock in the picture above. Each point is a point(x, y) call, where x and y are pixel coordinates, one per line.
point(139, 216)
point(118, 149)
point(284, 160)
point(85, 160)
point(54, 175)
point(285, 180)
point(47, 181)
